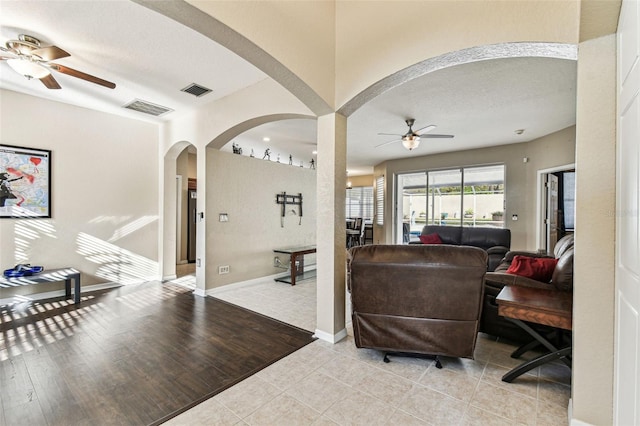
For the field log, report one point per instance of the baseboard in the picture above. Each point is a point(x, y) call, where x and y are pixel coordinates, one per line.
point(572, 421)
point(240, 284)
point(52, 294)
point(199, 292)
point(169, 277)
point(331, 338)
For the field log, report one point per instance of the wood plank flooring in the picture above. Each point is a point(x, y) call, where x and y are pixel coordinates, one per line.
point(135, 355)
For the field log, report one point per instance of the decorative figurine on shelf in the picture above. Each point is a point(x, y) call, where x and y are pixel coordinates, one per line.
point(312, 164)
point(267, 154)
point(278, 159)
point(251, 153)
point(290, 160)
point(236, 149)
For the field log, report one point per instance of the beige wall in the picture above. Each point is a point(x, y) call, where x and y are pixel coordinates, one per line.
point(363, 180)
point(104, 189)
point(556, 149)
point(593, 295)
point(375, 39)
point(245, 188)
point(300, 34)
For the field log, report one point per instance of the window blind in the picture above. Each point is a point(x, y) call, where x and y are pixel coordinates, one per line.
point(380, 200)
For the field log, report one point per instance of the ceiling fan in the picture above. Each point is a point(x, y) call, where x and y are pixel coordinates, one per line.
point(29, 58)
point(411, 139)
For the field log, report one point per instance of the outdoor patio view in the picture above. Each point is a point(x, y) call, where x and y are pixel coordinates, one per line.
point(472, 196)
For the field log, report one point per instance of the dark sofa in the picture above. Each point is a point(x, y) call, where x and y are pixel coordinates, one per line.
point(561, 280)
point(495, 241)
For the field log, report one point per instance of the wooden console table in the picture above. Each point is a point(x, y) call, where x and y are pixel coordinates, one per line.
point(296, 273)
point(540, 306)
point(48, 276)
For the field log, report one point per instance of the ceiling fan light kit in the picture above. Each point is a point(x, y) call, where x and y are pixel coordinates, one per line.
point(411, 142)
point(28, 68)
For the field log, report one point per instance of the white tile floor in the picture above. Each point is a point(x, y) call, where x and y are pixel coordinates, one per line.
point(325, 384)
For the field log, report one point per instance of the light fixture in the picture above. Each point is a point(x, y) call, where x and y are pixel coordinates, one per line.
point(266, 139)
point(349, 186)
point(411, 142)
point(27, 68)
point(314, 152)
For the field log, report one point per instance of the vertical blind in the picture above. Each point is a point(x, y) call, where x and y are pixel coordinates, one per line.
point(380, 200)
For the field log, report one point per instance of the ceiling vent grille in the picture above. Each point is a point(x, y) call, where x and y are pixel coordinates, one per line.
point(196, 90)
point(147, 107)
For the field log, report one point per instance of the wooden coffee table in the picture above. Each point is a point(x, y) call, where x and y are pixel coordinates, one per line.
point(522, 305)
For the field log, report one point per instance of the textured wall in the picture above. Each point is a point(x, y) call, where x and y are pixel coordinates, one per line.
point(245, 188)
point(104, 187)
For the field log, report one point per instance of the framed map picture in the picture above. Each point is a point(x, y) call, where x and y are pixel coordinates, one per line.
point(25, 182)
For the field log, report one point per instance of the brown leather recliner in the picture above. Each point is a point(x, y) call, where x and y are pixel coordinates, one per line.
point(562, 280)
point(417, 299)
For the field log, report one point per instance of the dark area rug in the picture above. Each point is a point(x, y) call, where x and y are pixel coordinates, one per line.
point(138, 354)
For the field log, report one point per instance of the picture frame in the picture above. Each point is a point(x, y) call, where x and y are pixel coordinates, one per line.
point(25, 182)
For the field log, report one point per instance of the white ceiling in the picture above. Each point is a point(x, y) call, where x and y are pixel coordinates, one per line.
point(151, 58)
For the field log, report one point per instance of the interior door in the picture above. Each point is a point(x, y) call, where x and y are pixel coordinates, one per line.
point(191, 225)
point(551, 215)
point(627, 245)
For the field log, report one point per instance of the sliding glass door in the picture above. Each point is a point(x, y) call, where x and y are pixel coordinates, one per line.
point(469, 196)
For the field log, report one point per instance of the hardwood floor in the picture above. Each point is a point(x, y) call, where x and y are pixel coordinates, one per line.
point(133, 355)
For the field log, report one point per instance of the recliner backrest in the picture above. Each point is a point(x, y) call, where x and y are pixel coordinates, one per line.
point(562, 277)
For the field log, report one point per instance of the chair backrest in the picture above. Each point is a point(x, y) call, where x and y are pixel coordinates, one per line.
point(417, 298)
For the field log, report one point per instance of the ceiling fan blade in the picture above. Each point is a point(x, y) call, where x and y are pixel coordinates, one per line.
point(50, 82)
point(82, 75)
point(387, 143)
point(425, 129)
point(389, 134)
point(436, 136)
point(50, 53)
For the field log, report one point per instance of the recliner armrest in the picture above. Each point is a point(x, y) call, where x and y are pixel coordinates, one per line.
point(498, 250)
point(503, 279)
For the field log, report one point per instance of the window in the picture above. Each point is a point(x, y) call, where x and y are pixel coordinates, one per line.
point(380, 200)
point(360, 202)
point(568, 199)
point(466, 196)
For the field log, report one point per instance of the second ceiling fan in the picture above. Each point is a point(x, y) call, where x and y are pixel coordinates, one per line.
point(411, 139)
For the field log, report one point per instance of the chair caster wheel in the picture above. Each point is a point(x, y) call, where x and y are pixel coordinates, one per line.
point(438, 364)
point(386, 359)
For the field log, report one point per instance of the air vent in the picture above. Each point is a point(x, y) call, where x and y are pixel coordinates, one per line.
point(196, 90)
point(147, 107)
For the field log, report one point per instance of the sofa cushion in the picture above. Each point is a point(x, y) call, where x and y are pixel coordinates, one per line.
point(536, 268)
point(430, 239)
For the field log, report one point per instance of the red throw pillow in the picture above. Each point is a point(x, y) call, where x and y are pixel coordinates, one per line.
point(430, 239)
point(536, 268)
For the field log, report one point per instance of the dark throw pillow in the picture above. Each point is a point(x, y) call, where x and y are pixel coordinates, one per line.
point(430, 239)
point(536, 268)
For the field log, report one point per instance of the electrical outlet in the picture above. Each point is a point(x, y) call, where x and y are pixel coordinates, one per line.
point(223, 269)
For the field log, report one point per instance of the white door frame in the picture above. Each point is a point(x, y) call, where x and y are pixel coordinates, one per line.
point(179, 219)
point(541, 202)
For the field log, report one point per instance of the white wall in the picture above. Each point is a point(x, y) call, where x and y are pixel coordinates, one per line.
point(245, 188)
point(104, 188)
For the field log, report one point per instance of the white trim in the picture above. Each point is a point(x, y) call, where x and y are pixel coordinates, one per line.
point(169, 277)
point(199, 292)
point(539, 198)
point(242, 284)
point(331, 338)
point(19, 298)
